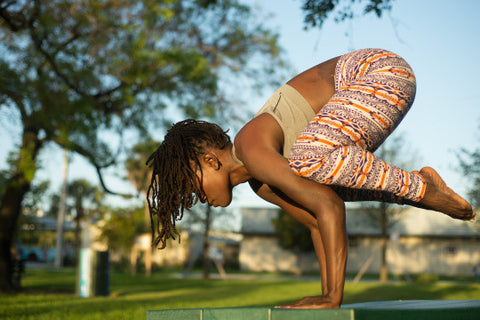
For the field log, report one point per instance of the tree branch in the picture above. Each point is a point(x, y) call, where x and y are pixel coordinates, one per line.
point(17, 99)
point(39, 41)
point(82, 151)
point(102, 183)
point(107, 105)
point(73, 37)
point(38, 44)
point(15, 20)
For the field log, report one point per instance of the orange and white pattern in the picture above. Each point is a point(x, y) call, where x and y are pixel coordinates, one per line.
point(374, 89)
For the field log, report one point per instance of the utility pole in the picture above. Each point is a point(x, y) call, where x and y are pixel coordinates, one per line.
point(61, 214)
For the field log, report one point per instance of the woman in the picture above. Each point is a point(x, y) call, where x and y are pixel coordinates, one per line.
point(307, 150)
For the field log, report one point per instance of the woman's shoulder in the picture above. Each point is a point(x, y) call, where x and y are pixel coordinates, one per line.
point(260, 133)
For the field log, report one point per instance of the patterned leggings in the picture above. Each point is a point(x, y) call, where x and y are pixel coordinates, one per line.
point(373, 91)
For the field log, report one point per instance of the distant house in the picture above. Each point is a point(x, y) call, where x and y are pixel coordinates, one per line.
point(421, 242)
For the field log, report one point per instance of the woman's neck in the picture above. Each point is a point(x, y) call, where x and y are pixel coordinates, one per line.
point(237, 171)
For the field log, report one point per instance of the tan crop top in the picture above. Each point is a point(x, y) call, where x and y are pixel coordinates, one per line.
point(292, 112)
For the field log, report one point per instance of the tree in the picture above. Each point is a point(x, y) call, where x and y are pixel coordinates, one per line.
point(81, 73)
point(28, 227)
point(470, 165)
point(79, 192)
point(135, 164)
point(201, 217)
point(291, 234)
point(317, 11)
point(137, 173)
point(206, 241)
point(386, 215)
point(29, 230)
point(121, 226)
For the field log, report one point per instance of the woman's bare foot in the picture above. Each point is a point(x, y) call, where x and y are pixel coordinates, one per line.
point(441, 198)
point(314, 302)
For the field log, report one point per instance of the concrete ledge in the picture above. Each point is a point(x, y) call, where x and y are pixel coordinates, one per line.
point(391, 310)
point(417, 309)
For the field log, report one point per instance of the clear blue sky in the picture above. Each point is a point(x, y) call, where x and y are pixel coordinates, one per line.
point(438, 38)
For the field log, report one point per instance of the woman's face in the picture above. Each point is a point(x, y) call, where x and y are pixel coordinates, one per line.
point(216, 183)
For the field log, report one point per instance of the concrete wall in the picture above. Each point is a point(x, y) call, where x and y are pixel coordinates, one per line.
point(262, 253)
point(453, 256)
point(174, 255)
point(411, 255)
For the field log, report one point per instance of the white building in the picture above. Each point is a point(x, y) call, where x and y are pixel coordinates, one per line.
point(421, 242)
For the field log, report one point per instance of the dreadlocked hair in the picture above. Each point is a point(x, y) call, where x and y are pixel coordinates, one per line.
point(172, 188)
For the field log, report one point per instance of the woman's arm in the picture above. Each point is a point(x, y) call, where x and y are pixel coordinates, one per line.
point(257, 145)
point(300, 215)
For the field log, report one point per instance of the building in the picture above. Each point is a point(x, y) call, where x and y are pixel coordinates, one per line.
point(36, 240)
point(421, 242)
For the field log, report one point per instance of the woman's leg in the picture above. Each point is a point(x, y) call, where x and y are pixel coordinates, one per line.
point(374, 91)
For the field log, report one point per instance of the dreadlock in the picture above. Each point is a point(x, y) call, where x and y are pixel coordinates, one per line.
point(172, 188)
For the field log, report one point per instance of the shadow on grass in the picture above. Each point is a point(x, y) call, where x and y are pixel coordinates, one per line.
point(49, 281)
point(413, 291)
point(188, 294)
point(367, 292)
point(132, 296)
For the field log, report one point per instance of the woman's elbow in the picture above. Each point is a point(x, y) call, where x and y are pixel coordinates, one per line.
point(330, 208)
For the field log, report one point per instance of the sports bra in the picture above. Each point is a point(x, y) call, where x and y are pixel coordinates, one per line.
point(291, 111)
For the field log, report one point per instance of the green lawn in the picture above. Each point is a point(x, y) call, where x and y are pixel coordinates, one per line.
point(50, 295)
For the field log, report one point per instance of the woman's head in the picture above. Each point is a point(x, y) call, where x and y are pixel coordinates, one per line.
point(175, 184)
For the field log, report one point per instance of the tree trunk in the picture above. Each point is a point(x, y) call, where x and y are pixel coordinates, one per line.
point(383, 267)
point(206, 246)
point(9, 213)
point(10, 207)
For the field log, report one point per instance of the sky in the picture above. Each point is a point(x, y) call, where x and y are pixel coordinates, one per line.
point(439, 39)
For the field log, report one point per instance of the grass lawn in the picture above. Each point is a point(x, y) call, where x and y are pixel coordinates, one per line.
point(50, 295)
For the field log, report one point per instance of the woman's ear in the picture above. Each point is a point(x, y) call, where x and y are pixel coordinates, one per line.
point(212, 160)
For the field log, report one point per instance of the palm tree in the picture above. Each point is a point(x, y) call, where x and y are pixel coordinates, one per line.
point(137, 172)
point(80, 191)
